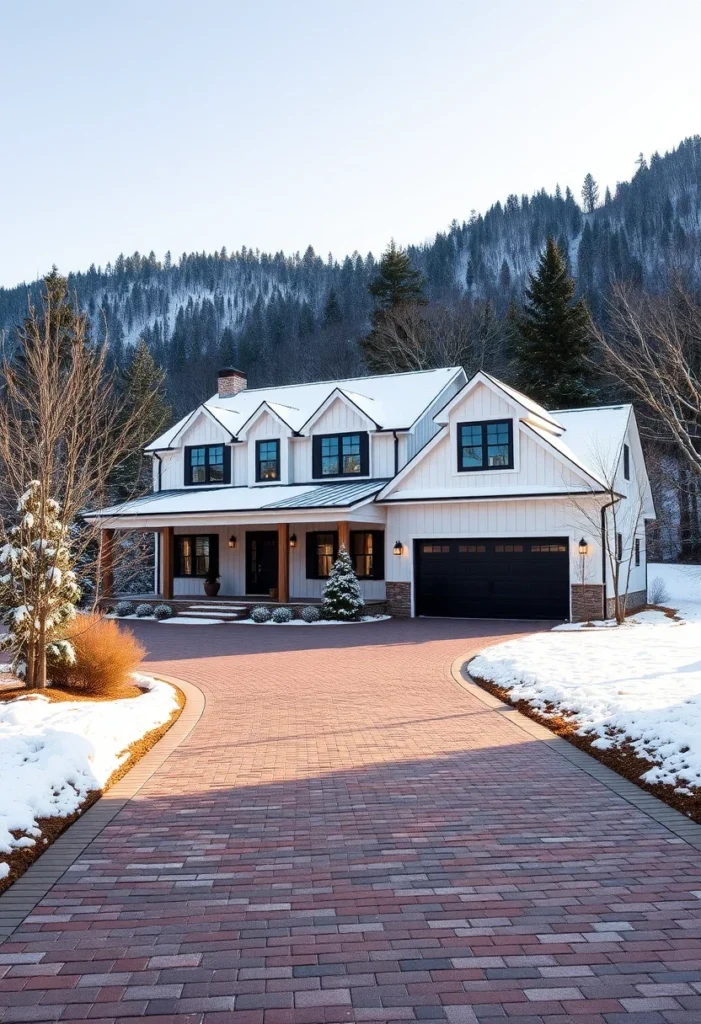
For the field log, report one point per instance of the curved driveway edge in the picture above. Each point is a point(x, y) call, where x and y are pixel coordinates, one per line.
point(656, 809)
point(31, 887)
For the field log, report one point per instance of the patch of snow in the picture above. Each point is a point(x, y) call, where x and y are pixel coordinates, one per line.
point(641, 680)
point(53, 754)
point(682, 582)
point(301, 622)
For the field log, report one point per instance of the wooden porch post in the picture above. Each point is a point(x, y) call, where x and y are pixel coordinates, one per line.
point(107, 562)
point(344, 535)
point(283, 562)
point(167, 561)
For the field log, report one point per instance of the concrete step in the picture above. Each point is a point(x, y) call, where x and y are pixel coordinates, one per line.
point(226, 616)
point(220, 606)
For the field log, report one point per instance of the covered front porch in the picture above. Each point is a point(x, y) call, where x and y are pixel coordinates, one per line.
point(256, 562)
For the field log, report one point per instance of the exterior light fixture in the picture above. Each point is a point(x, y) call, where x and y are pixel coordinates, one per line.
point(583, 546)
point(232, 541)
point(398, 548)
point(293, 540)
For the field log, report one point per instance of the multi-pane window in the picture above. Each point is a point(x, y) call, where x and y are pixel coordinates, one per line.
point(325, 554)
point(341, 455)
point(368, 554)
point(548, 549)
point(487, 445)
point(508, 549)
point(207, 464)
point(194, 554)
point(268, 460)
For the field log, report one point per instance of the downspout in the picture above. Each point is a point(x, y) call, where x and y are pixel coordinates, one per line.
point(604, 549)
point(159, 460)
point(396, 452)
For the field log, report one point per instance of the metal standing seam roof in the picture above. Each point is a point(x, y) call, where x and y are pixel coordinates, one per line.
point(333, 495)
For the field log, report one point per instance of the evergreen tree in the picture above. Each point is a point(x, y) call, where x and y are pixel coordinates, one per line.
point(396, 341)
point(142, 388)
point(38, 588)
point(397, 282)
point(342, 598)
point(552, 337)
point(332, 310)
point(590, 194)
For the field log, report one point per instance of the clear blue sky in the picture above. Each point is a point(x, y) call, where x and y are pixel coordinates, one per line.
point(165, 124)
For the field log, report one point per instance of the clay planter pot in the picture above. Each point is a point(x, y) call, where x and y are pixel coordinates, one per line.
point(212, 589)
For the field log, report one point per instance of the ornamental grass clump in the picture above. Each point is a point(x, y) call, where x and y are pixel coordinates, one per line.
point(106, 656)
point(343, 601)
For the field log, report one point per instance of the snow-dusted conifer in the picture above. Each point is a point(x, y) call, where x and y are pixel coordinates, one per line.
point(38, 588)
point(342, 597)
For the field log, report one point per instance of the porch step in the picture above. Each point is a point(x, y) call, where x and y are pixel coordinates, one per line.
point(221, 616)
point(218, 606)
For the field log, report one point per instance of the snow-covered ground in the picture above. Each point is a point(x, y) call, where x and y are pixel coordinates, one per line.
point(320, 622)
point(641, 680)
point(53, 754)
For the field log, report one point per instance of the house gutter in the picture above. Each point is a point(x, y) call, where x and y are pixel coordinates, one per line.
point(608, 505)
point(159, 460)
point(396, 452)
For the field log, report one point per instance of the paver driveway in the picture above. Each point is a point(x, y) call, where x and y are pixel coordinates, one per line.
point(349, 836)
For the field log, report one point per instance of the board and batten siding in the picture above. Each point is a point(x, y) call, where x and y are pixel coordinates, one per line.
point(426, 427)
point(529, 518)
point(232, 563)
point(267, 428)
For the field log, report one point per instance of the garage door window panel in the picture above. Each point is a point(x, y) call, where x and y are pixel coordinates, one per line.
point(485, 446)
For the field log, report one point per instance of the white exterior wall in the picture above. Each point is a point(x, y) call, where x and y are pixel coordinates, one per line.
point(232, 564)
point(426, 427)
point(266, 428)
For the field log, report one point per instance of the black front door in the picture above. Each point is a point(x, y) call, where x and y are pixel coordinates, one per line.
point(261, 561)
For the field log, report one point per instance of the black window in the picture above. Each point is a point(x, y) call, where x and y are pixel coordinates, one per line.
point(195, 554)
point(626, 462)
point(267, 460)
point(487, 445)
point(322, 551)
point(637, 550)
point(619, 547)
point(208, 464)
point(368, 554)
point(340, 455)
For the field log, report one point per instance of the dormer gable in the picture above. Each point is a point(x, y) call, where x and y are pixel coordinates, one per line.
point(269, 410)
point(341, 410)
point(202, 426)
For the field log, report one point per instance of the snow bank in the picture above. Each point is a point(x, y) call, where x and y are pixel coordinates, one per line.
point(53, 755)
point(682, 582)
point(641, 680)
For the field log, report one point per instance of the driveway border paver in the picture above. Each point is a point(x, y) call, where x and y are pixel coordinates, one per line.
point(31, 887)
point(656, 809)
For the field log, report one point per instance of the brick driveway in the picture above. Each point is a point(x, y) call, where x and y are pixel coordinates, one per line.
point(349, 836)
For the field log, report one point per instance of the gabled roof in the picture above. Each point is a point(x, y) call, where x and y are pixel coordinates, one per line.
point(394, 401)
point(276, 410)
point(365, 406)
point(596, 436)
point(531, 408)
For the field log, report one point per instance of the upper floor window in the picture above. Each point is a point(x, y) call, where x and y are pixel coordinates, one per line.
point(485, 445)
point(267, 460)
point(340, 455)
point(626, 462)
point(208, 464)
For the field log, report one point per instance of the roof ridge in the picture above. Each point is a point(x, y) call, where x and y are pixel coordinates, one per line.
point(338, 381)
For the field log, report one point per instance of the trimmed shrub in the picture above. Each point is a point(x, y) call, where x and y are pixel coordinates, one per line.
point(144, 611)
point(657, 591)
point(162, 611)
point(106, 655)
point(260, 614)
point(310, 614)
point(281, 615)
point(126, 608)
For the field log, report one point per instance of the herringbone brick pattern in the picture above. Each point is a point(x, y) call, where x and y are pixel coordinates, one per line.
point(349, 836)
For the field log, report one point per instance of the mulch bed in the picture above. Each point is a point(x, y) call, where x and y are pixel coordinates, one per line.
point(622, 758)
point(52, 828)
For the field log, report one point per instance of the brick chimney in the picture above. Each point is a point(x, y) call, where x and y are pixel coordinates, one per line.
point(230, 382)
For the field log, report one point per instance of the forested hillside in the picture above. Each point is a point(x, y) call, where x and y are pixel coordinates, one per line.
point(289, 318)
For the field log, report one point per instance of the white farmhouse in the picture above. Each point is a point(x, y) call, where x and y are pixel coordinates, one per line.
point(454, 497)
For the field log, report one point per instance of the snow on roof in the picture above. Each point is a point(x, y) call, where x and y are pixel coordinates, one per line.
point(524, 400)
point(204, 500)
point(476, 493)
point(394, 401)
point(593, 438)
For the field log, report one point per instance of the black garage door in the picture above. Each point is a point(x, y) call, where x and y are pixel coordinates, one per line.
point(521, 578)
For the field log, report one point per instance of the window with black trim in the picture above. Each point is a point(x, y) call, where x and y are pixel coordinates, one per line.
point(626, 462)
point(267, 460)
point(485, 445)
point(340, 455)
point(195, 554)
point(368, 554)
point(207, 464)
point(637, 550)
point(322, 551)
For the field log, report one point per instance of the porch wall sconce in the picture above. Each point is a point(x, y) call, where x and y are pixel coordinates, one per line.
point(583, 546)
point(398, 548)
point(232, 541)
point(293, 540)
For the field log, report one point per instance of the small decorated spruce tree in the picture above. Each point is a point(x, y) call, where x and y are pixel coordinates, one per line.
point(38, 588)
point(342, 597)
